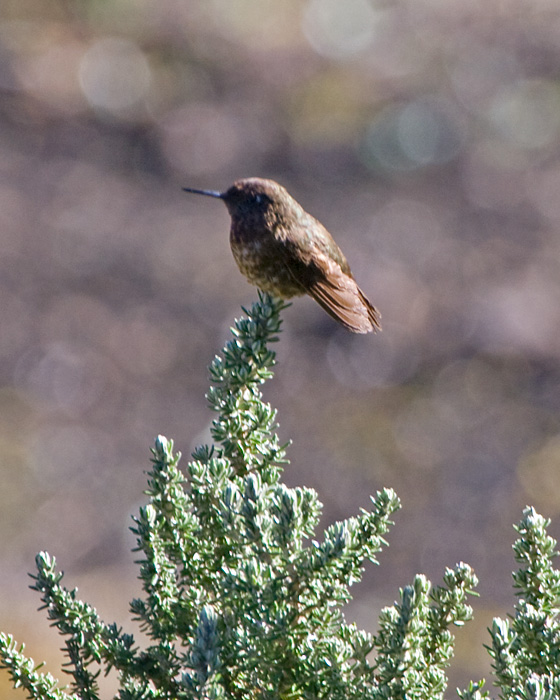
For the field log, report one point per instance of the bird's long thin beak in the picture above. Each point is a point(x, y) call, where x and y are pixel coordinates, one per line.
point(208, 193)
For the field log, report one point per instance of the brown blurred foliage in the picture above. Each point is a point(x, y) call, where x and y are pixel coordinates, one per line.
point(425, 134)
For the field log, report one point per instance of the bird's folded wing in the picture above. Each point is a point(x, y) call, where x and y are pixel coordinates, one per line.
point(340, 296)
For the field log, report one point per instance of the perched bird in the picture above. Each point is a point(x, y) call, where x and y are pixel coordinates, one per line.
point(286, 252)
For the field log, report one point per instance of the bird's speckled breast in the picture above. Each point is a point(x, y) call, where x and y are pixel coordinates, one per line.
point(263, 265)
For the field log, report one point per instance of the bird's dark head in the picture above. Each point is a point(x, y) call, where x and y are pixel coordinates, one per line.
point(254, 198)
point(252, 195)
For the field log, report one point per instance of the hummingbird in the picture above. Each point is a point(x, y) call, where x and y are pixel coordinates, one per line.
point(285, 251)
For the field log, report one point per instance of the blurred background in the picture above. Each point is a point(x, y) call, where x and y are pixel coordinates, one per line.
point(424, 134)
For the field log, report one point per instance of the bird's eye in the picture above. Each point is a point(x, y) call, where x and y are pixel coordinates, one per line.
point(258, 198)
